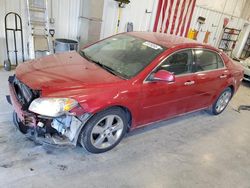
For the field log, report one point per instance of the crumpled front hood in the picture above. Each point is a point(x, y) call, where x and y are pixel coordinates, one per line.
point(65, 70)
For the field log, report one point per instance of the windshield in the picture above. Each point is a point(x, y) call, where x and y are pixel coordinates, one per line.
point(122, 55)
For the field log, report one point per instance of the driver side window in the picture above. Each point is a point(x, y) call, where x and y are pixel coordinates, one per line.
point(178, 63)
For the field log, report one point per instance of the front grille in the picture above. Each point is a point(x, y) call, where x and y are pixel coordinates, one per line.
point(25, 94)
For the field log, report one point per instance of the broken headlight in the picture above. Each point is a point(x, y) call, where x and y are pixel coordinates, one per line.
point(52, 107)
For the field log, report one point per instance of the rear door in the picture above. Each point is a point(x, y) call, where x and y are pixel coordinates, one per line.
point(210, 76)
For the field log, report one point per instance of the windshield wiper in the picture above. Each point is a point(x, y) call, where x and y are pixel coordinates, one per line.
point(83, 54)
point(112, 71)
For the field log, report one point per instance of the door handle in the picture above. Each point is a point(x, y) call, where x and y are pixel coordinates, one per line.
point(188, 83)
point(223, 76)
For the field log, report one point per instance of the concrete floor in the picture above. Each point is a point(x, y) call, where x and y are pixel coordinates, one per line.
point(196, 150)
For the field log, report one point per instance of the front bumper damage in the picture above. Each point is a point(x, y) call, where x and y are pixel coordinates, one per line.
point(58, 131)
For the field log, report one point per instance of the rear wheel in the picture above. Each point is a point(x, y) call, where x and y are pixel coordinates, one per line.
point(221, 103)
point(104, 131)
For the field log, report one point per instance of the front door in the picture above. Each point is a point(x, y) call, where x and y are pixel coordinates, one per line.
point(168, 99)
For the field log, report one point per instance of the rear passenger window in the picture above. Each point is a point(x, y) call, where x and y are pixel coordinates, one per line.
point(207, 60)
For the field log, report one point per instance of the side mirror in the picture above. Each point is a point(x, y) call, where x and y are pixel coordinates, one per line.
point(163, 75)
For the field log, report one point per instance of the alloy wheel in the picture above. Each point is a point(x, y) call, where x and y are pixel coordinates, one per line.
point(107, 131)
point(223, 101)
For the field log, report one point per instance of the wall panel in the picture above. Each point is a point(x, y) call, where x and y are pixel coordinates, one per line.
point(232, 7)
point(6, 6)
point(214, 24)
point(65, 12)
point(133, 12)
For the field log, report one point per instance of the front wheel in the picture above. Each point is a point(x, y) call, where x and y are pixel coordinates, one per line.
point(104, 131)
point(221, 103)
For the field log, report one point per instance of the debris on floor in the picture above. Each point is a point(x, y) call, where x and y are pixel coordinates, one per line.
point(244, 107)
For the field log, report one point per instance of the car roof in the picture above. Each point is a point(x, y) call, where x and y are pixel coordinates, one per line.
point(168, 40)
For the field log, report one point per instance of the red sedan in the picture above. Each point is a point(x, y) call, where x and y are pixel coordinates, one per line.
point(118, 84)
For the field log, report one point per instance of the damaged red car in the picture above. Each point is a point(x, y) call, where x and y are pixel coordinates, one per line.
point(118, 84)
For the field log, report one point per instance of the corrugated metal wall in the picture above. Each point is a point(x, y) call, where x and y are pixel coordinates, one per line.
point(6, 6)
point(90, 21)
point(134, 12)
point(214, 24)
point(65, 12)
point(227, 6)
point(245, 14)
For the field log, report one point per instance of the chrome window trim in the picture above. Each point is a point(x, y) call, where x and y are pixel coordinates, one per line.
point(224, 67)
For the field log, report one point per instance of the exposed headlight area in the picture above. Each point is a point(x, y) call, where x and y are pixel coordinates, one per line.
point(46, 120)
point(54, 122)
point(52, 107)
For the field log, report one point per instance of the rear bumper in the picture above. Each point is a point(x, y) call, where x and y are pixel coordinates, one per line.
point(246, 74)
point(25, 117)
point(246, 77)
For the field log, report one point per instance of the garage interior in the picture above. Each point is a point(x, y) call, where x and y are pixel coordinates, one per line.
point(194, 150)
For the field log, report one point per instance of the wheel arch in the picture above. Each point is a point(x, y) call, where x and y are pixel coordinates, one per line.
point(126, 110)
point(232, 88)
point(214, 98)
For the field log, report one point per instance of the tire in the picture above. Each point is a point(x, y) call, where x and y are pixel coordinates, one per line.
point(7, 65)
point(104, 130)
point(221, 102)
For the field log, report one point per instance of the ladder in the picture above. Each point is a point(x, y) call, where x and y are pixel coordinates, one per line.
point(38, 27)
